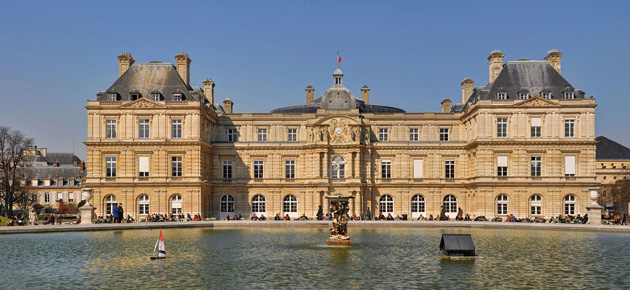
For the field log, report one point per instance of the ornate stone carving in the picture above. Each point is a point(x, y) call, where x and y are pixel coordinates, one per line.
point(339, 230)
point(339, 131)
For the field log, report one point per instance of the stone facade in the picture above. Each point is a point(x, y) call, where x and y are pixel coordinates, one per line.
point(287, 161)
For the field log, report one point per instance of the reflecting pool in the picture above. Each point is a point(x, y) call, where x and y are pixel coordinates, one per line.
point(295, 258)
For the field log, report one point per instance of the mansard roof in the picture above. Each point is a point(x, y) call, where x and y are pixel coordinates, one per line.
point(149, 77)
point(607, 149)
point(531, 76)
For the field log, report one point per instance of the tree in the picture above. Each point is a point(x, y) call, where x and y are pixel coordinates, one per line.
point(617, 192)
point(13, 168)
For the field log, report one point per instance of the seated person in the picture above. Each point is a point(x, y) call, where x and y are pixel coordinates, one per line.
point(287, 218)
point(262, 217)
point(431, 217)
point(254, 217)
point(303, 217)
point(404, 216)
point(277, 217)
point(390, 217)
point(467, 218)
point(420, 217)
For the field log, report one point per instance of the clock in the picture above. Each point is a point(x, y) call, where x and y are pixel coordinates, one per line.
point(338, 130)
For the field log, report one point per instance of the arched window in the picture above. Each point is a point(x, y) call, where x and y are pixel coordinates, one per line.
point(110, 201)
point(176, 204)
point(502, 204)
point(535, 204)
point(450, 205)
point(386, 204)
point(338, 167)
point(227, 206)
point(418, 206)
point(259, 204)
point(569, 205)
point(290, 206)
point(143, 204)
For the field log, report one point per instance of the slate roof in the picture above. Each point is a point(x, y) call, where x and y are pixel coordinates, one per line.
point(53, 173)
point(146, 78)
point(607, 149)
point(533, 76)
point(337, 97)
point(63, 158)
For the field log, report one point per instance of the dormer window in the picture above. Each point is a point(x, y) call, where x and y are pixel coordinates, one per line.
point(112, 96)
point(502, 96)
point(545, 95)
point(569, 95)
point(523, 95)
point(177, 97)
point(155, 97)
point(134, 96)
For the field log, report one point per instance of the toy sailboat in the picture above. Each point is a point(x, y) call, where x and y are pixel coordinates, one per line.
point(159, 249)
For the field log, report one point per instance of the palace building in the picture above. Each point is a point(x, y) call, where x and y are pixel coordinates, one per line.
point(524, 144)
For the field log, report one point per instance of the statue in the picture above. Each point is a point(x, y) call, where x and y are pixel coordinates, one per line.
point(367, 136)
point(339, 231)
point(309, 135)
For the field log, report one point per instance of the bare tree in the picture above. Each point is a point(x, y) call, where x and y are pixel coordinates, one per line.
point(13, 168)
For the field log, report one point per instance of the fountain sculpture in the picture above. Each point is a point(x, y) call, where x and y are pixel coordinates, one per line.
point(339, 231)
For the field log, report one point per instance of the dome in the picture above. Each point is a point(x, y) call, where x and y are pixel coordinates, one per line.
point(338, 98)
point(337, 72)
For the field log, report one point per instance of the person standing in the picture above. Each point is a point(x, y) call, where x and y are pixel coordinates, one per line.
point(120, 213)
point(114, 214)
point(368, 214)
point(320, 214)
point(32, 216)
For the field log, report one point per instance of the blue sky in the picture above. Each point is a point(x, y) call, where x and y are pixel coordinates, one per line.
point(54, 56)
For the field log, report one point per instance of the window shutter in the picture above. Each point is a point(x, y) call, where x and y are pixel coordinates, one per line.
point(417, 168)
point(569, 165)
point(144, 164)
point(502, 161)
point(536, 122)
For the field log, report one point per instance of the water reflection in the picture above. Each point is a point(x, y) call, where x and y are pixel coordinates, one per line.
point(298, 258)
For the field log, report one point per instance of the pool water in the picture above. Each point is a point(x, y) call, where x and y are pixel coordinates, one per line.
point(296, 258)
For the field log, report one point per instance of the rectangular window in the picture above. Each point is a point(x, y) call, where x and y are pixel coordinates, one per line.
point(112, 97)
point(536, 166)
point(569, 128)
point(258, 168)
point(569, 166)
point(413, 135)
point(536, 125)
point(143, 128)
point(546, 95)
point(34, 182)
point(46, 198)
point(262, 135)
point(502, 165)
point(449, 169)
point(232, 135)
point(523, 96)
point(155, 97)
point(176, 128)
point(383, 134)
point(227, 168)
point(143, 166)
point(569, 95)
point(177, 97)
point(289, 169)
point(110, 166)
point(47, 182)
point(70, 182)
point(386, 169)
point(417, 168)
point(71, 197)
point(444, 135)
point(292, 135)
point(110, 129)
point(501, 96)
point(502, 127)
point(176, 166)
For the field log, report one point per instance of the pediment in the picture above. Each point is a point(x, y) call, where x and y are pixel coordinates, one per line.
point(537, 102)
point(142, 103)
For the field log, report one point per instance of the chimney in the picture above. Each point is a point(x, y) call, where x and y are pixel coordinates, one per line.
point(496, 64)
point(208, 90)
point(446, 106)
point(365, 94)
point(467, 89)
point(553, 58)
point(227, 106)
point(75, 164)
point(309, 94)
point(183, 66)
point(82, 166)
point(124, 62)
